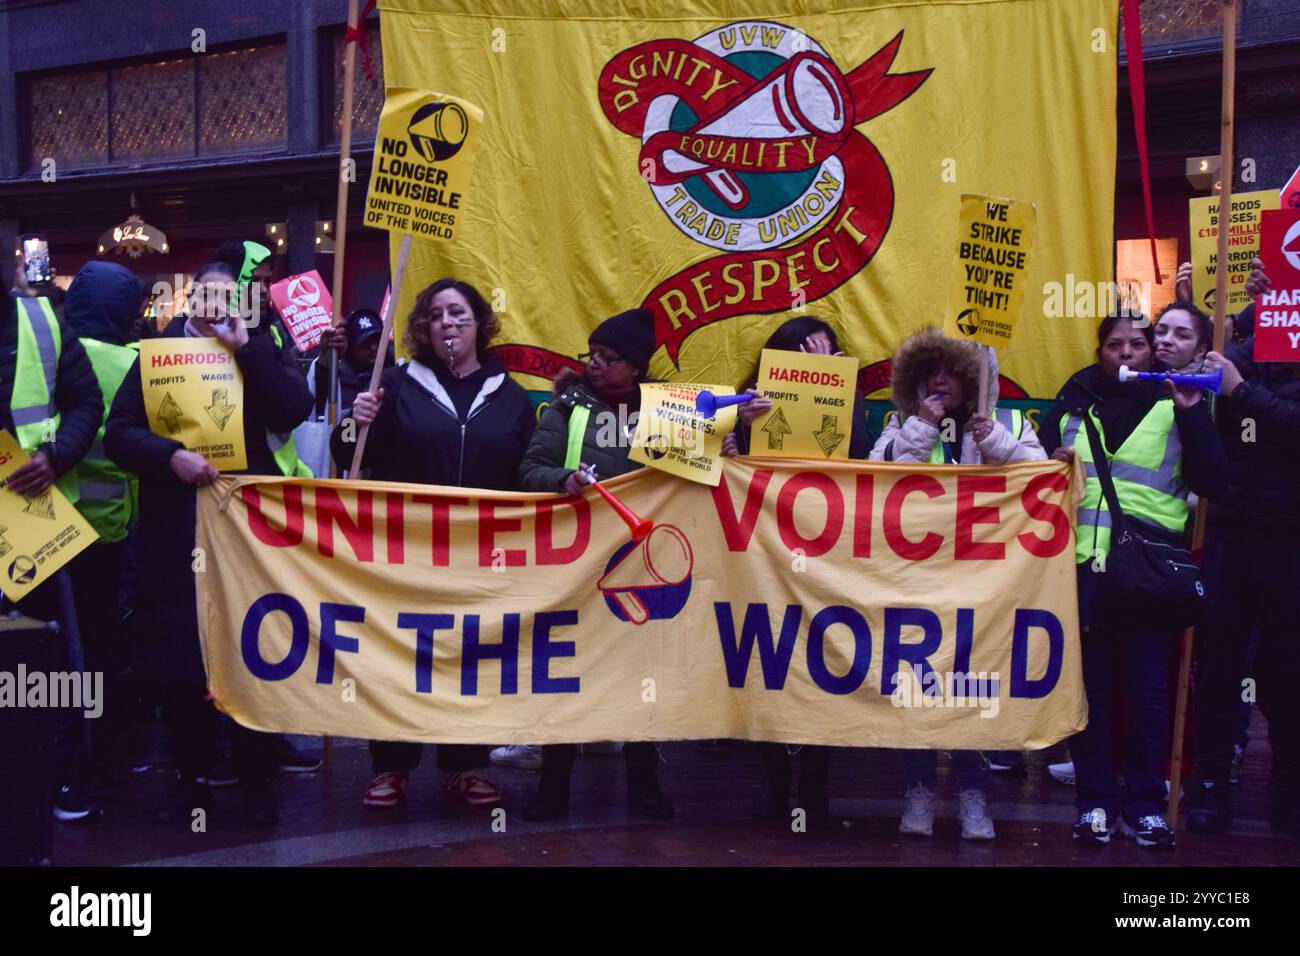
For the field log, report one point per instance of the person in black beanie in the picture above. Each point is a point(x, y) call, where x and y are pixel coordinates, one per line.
point(608, 390)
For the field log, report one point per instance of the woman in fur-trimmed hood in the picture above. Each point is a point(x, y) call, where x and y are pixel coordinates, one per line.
point(936, 388)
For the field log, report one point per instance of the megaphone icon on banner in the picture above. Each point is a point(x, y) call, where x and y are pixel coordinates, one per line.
point(806, 96)
point(641, 580)
point(1210, 381)
point(707, 404)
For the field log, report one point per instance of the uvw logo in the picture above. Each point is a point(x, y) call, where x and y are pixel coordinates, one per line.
point(304, 291)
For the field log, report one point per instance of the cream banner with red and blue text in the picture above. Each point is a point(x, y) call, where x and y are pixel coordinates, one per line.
point(854, 604)
point(724, 163)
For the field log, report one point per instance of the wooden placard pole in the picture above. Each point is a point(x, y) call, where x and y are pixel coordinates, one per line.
point(983, 403)
point(384, 338)
point(341, 208)
point(1220, 321)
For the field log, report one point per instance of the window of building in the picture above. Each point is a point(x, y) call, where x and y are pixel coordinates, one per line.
point(184, 108)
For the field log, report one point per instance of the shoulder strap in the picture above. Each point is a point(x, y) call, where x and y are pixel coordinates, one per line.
point(1101, 461)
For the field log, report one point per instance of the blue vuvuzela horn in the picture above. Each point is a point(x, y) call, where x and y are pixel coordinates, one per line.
point(1210, 381)
point(707, 404)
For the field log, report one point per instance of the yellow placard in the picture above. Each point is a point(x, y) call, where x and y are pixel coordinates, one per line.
point(194, 393)
point(994, 236)
point(673, 437)
point(1243, 245)
point(37, 535)
point(812, 405)
point(424, 155)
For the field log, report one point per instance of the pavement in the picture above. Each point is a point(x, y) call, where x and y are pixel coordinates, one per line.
point(712, 783)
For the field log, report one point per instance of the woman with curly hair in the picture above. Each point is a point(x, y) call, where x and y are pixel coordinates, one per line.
point(449, 416)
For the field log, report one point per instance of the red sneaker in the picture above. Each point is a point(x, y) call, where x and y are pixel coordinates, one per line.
point(387, 789)
point(473, 788)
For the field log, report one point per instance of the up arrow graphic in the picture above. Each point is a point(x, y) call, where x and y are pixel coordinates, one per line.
point(777, 428)
point(828, 439)
point(170, 414)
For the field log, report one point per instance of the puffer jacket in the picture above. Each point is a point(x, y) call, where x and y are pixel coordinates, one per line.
point(605, 443)
point(909, 437)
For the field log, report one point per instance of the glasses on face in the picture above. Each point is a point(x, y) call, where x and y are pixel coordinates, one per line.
point(599, 360)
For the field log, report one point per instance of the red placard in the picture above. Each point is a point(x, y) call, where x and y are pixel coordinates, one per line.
point(305, 307)
point(1277, 312)
point(1291, 191)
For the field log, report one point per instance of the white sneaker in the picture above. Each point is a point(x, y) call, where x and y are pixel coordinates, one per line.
point(1062, 772)
point(918, 814)
point(975, 822)
point(519, 756)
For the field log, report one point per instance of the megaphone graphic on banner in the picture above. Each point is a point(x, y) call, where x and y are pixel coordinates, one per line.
point(1210, 381)
point(807, 96)
point(707, 404)
point(652, 578)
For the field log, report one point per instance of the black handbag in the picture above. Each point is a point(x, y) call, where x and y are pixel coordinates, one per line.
point(1143, 577)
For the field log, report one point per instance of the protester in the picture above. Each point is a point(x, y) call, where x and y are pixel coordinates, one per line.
point(357, 344)
point(1159, 440)
point(276, 400)
point(450, 416)
point(103, 309)
point(584, 407)
point(1183, 335)
point(810, 335)
point(53, 409)
point(935, 385)
point(1252, 573)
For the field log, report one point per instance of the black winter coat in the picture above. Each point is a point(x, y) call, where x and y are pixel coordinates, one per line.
point(605, 442)
point(76, 393)
point(419, 436)
point(1263, 477)
point(276, 398)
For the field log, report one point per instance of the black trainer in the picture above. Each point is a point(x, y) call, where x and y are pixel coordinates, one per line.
point(71, 807)
point(1150, 830)
point(648, 800)
point(186, 797)
point(293, 760)
point(1093, 828)
point(1211, 810)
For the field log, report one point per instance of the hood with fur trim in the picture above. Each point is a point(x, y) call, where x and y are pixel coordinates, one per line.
point(921, 352)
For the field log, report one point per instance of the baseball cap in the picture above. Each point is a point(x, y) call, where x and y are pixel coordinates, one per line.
point(362, 324)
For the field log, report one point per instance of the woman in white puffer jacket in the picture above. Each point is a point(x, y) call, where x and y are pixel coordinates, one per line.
point(936, 386)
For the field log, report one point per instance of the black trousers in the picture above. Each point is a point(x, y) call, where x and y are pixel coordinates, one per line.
point(45, 603)
point(389, 755)
point(1119, 651)
point(641, 759)
point(96, 577)
point(1252, 584)
point(195, 726)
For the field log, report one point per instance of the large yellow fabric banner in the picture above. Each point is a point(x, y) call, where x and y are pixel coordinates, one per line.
point(856, 604)
point(724, 162)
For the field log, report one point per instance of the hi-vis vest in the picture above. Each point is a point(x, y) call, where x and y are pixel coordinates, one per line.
point(1012, 419)
point(282, 447)
point(36, 417)
point(1148, 474)
point(577, 431)
point(109, 496)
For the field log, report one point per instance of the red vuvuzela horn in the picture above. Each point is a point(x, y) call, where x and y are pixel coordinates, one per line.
point(640, 526)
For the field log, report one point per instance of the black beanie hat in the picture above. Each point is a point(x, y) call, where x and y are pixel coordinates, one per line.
point(631, 334)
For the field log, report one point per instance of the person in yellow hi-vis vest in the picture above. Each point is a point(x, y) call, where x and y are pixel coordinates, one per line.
point(50, 402)
point(1158, 443)
point(102, 309)
point(276, 400)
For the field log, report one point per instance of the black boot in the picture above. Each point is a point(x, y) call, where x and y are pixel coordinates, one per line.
point(646, 799)
point(187, 796)
point(773, 801)
point(551, 802)
point(260, 806)
point(1211, 810)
